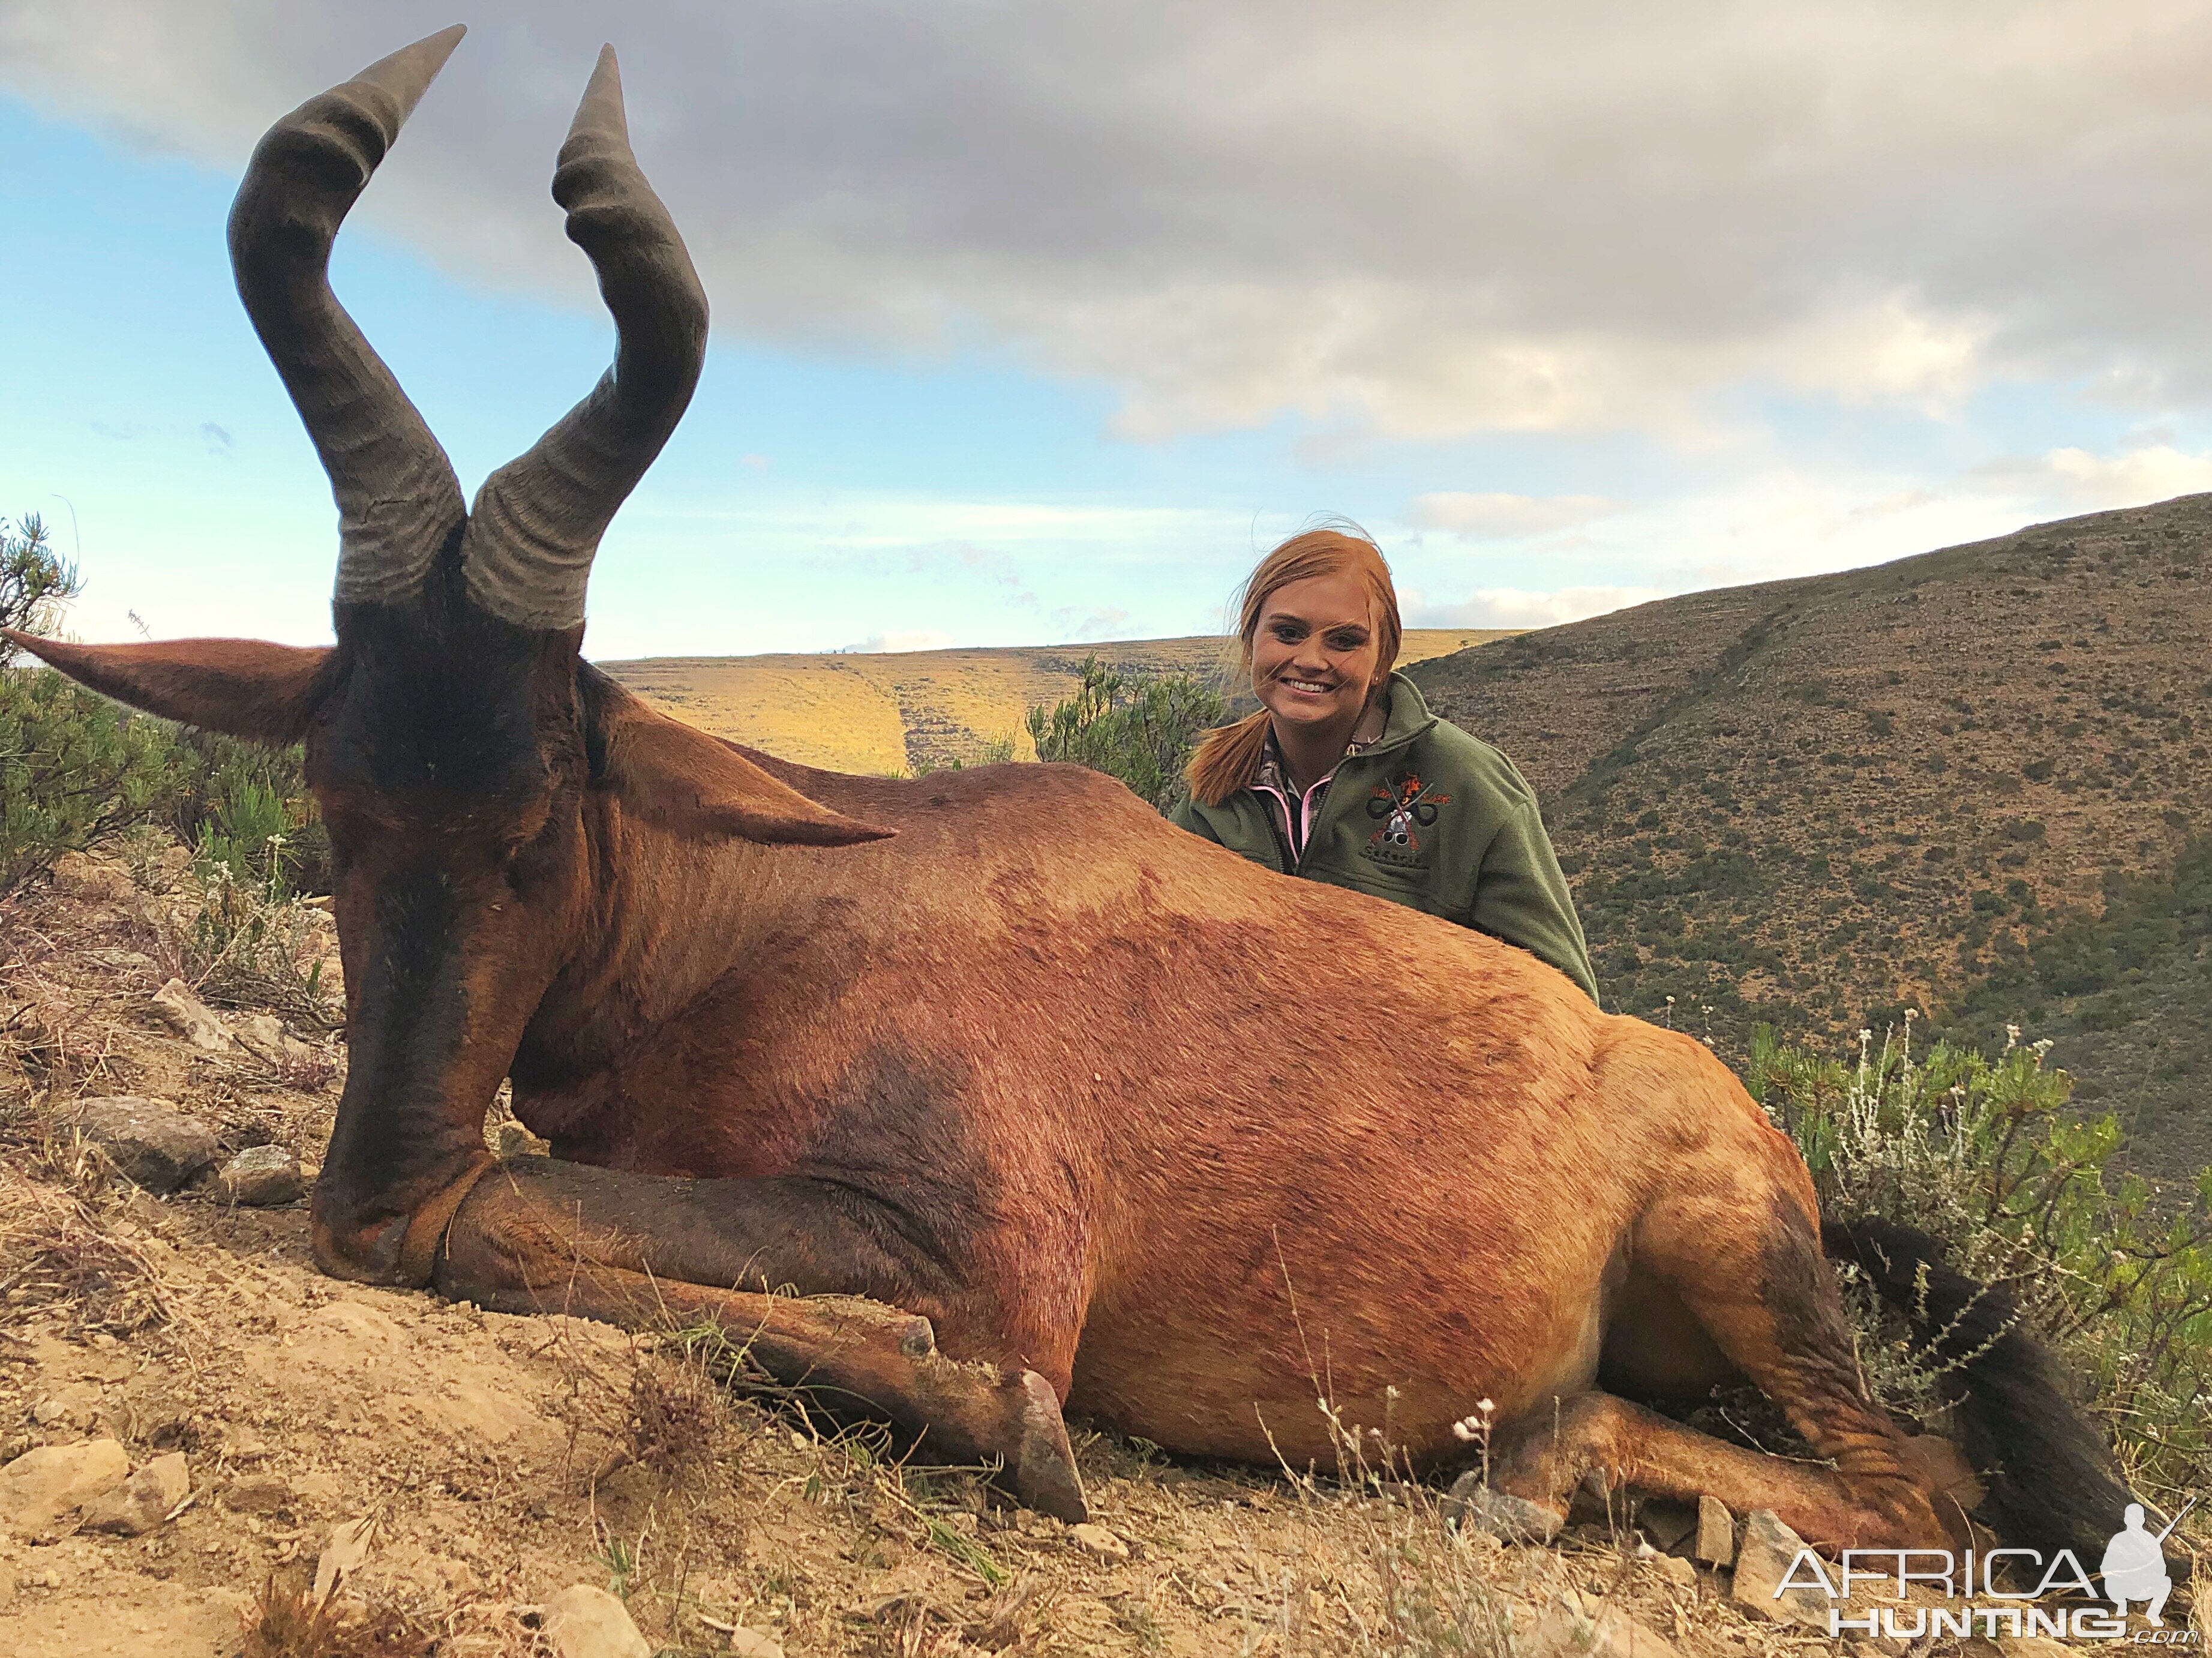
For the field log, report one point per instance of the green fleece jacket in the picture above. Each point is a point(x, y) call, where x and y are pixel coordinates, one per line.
point(1427, 816)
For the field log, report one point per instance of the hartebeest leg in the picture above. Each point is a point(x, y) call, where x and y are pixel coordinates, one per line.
point(1745, 1259)
point(540, 1235)
point(1543, 1456)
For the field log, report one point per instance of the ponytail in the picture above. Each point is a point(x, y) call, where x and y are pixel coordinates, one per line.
point(1227, 758)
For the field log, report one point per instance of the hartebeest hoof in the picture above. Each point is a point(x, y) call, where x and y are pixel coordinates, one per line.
point(1045, 1468)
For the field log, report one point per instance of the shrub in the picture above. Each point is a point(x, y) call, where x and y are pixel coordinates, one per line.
point(36, 580)
point(73, 767)
point(1139, 729)
point(248, 809)
point(1984, 1154)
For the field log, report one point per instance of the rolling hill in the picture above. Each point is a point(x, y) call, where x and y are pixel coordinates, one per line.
point(905, 711)
point(1974, 781)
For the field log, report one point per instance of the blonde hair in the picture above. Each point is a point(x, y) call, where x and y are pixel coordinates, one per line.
point(1229, 754)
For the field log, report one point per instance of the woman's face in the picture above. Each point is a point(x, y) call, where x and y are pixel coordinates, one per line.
point(1314, 653)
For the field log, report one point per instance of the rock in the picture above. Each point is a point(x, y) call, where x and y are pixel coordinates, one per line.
point(150, 1141)
point(587, 1622)
point(341, 1555)
point(260, 1177)
point(1948, 1470)
point(39, 1487)
point(258, 1494)
point(1762, 1561)
point(1093, 1538)
point(85, 877)
point(120, 961)
point(1672, 1567)
point(1716, 1544)
point(751, 1643)
point(76, 1405)
point(1584, 1626)
point(143, 1501)
point(191, 1018)
point(263, 1036)
point(1510, 1519)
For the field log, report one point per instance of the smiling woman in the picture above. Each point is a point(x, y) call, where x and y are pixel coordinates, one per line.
point(1344, 775)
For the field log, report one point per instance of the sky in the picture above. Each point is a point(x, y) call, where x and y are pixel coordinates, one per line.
point(1039, 324)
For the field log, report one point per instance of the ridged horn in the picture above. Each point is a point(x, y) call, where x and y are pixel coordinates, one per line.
point(537, 522)
point(398, 499)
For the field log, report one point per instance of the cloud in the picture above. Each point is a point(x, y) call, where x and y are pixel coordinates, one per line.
point(1421, 221)
point(2079, 481)
point(1505, 517)
point(1074, 625)
point(899, 640)
point(1511, 607)
point(218, 439)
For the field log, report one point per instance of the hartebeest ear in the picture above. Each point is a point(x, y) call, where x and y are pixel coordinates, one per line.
point(680, 777)
point(241, 687)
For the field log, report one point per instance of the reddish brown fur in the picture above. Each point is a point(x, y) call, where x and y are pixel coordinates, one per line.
point(1107, 1102)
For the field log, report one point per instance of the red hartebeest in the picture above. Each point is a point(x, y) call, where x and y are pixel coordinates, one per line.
point(1151, 1130)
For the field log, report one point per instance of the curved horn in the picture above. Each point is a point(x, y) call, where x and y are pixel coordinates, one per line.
point(537, 522)
point(398, 499)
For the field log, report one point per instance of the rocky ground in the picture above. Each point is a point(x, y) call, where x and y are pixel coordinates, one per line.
point(210, 1449)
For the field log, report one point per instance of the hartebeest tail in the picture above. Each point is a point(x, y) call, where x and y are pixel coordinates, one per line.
point(2051, 1483)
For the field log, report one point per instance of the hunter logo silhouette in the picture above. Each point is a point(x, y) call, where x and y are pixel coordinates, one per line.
point(2134, 1566)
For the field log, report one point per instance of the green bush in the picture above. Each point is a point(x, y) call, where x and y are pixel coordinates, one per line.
point(73, 767)
point(1139, 729)
point(1984, 1154)
point(36, 580)
point(248, 809)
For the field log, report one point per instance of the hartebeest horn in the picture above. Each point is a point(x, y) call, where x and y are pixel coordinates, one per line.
point(537, 522)
point(398, 502)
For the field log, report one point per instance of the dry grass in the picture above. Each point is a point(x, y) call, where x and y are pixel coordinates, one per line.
point(287, 1621)
point(240, 945)
point(61, 1264)
point(50, 1031)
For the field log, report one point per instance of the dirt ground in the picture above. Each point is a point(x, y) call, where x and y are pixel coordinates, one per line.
point(469, 1465)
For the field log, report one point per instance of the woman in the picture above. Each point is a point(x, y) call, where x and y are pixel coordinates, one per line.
point(1343, 775)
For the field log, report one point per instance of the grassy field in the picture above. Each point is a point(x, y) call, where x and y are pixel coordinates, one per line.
point(896, 713)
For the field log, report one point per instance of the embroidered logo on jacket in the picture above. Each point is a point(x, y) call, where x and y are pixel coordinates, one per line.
point(1402, 808)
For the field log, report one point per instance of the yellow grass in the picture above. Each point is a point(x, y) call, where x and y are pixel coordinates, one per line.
point(883, 713)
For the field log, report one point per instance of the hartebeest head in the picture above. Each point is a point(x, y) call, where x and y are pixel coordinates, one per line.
point(453, 737)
